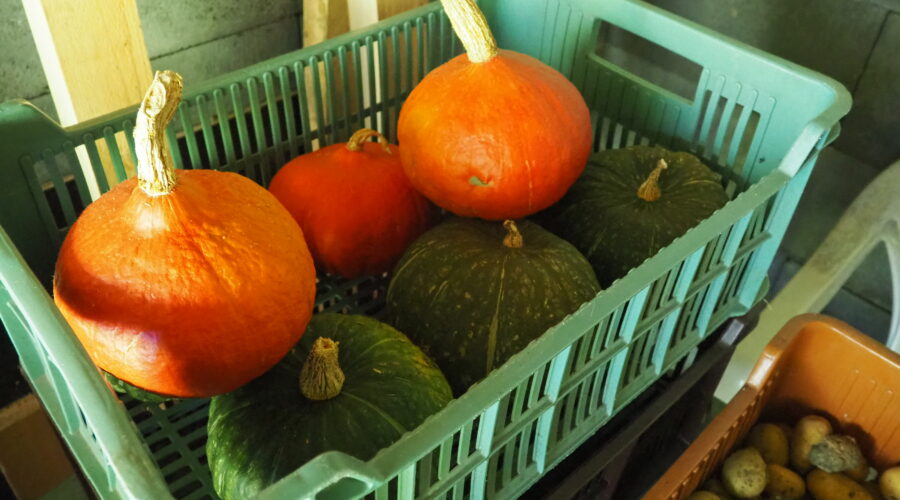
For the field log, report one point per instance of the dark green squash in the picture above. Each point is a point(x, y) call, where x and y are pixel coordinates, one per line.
point(627, 205)
point(144, 396)
point(472, 293)
point(267, 429)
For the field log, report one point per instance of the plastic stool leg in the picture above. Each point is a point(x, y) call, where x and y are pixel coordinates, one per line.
point(892, 242)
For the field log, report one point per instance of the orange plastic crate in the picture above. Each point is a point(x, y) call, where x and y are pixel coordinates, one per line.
point(815, 364)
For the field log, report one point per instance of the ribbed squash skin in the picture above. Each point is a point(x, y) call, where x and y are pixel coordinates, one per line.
point(495, 140)
point(615, 229)
point(192, 293)
point(471, 302)
point(357, 209)
point(267, 429)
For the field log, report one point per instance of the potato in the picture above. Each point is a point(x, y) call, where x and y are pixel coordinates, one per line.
point(784, 484)
point(809, 430)
point(839, 453)
point(771, 442)
point(744, 473)
point(889, 482)
point(703, 495)
point(834, 486)
point(786, 429)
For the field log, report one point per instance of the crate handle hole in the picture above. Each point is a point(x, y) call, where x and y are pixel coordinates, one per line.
point(637, 56)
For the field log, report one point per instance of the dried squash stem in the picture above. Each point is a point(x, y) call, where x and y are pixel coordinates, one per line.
point(155, 170)
point(321, 377)
point(472, 29)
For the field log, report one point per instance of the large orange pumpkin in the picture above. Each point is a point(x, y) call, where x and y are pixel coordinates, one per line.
point(354, 204)
point(492, 133)
point(188, 283)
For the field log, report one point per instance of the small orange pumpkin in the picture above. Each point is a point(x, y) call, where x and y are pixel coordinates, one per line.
point(492, 133)
point(354, 203)
point(188, 283)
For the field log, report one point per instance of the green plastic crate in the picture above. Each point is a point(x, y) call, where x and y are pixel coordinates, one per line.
point(759, 120)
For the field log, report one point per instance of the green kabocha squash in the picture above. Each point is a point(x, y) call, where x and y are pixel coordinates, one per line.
point(472, 293)
point(631, 202)
point(122, 387)
point(352, 384)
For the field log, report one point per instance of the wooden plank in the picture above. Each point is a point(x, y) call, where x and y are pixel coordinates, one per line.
point(388, 8)
point(93, 53)
point(95, 59)
point(324, 19)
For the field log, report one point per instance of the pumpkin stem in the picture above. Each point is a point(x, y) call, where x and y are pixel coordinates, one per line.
point(321, 377)
point(513, 238)
point(472, 29)
point(649, 190)
point(155, 170)
point(362, 135)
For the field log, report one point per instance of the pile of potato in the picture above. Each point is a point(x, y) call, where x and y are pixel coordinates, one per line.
point(775, 459)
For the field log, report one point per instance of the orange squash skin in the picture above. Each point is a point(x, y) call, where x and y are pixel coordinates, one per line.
point(357, 208)
point(497, 140)
point(189, 294)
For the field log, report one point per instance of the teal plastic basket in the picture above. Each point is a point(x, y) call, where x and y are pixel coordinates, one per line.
point(759, 120)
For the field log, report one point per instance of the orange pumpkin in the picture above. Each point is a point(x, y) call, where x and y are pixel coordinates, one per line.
point(492, 133)
point(354, 203)
point(188, 283)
